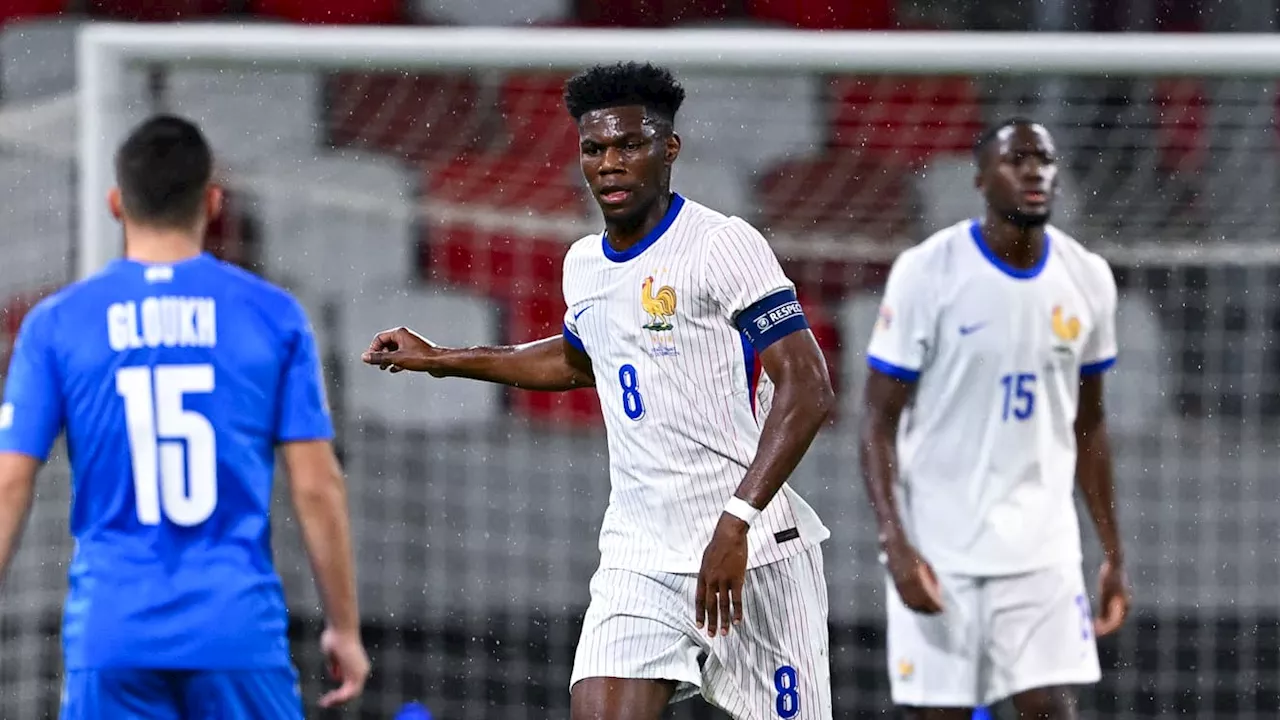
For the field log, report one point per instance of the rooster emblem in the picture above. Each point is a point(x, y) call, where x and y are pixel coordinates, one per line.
point(1067, 329)
point(659, 306)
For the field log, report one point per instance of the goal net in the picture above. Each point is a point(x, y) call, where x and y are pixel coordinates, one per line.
point(429, 178)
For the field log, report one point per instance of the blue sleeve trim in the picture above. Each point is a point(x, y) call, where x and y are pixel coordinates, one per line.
point(572, 338)
point(896, 371)
point(773, 317)
point(1094, 368)
point(301, 437)
point(32, 415)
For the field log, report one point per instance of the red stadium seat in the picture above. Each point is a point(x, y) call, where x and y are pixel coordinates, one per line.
point(843, 194)
point(905, 121)
point(13, 313)
point(536, 121)
point(826, 14)
point(418, 117)
point(230, 237)
point(27, 9)
point(499, 265)
point(651, 13)
point(533, 318)
point(506, 182)
point(152, 11)
point(331, 12)
point(1181, 116)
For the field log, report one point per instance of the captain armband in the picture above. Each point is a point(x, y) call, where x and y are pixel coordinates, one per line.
point(772, 318)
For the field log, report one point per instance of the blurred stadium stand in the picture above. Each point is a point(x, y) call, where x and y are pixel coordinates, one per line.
point(427, 162)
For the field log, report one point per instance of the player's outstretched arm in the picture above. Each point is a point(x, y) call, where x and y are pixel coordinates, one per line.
point(319, 495)
point(884, 399)
point(801, 402)
point(1093, 476)
point(549, 364)
point(17, 487)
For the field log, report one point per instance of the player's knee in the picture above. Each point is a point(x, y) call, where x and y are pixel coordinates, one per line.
point(602, 698)
point(1055, 703)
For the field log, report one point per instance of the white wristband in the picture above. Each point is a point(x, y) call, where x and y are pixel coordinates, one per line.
point(741, 509)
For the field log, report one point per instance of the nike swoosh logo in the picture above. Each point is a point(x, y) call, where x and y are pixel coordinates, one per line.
point(579, 313)
point(970, 329)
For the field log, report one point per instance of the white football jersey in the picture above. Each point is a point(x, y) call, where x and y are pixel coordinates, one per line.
point(680, 384)
point(986, 449)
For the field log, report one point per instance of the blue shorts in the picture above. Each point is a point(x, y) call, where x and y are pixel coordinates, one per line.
point(134, 694)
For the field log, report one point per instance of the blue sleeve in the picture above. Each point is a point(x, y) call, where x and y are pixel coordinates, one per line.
point(572, 338)
point(771, 318)
point(32, 414)
point(304, 405)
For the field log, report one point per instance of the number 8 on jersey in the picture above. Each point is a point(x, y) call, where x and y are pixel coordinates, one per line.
point(632, 403)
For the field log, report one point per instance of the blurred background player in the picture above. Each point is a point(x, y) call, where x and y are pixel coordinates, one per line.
point(176, 377)
point(673, 313)
point(984, 398)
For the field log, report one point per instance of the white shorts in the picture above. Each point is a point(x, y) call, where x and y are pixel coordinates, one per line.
point(774, 665)
point(995, 638)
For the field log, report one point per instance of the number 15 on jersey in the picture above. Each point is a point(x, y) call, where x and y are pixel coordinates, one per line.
point(182, 484)
point(1019, 395)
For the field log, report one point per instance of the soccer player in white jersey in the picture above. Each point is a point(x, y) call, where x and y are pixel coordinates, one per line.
point(712, 388)
point(983, 412)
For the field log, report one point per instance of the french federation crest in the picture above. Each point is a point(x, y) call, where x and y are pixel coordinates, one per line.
point(1065, 329)
point(660, 308)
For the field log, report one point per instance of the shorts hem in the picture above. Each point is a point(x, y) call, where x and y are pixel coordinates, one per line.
point(1071, 679)
point(934, 701)
point(686, 687)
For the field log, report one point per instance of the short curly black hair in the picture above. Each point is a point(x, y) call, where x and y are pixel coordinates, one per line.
point(993, 131)
point(631, 83)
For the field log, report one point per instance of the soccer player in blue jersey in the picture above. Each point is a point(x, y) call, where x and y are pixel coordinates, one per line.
point(176, 377)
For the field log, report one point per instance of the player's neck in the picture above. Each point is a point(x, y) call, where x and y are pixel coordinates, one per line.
point(1017, 245)
point(623, 235)
point(156, 246)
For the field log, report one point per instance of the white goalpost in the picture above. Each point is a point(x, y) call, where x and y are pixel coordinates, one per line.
point(427, 176)
point(105, 51)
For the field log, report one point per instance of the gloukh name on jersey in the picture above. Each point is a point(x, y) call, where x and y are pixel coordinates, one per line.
point(163, 321)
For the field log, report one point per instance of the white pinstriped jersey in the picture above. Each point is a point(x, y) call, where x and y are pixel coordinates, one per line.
point(987, 450)
point(680, 384)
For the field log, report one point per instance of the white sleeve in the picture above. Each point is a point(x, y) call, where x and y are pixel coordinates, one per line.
point(904, 334)
point(741, 268)
point(570, 330)
point(1099, 351)
point(745, 278)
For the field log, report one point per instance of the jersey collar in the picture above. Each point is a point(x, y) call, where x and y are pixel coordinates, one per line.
point(975, 231)
point(657, 232)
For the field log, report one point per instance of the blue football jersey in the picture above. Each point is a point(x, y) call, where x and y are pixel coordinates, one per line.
point(174, 384)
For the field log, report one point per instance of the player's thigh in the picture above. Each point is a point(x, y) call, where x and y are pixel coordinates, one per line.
point(1047, 703)
point(608, 698)
point(269, 694)
point(639, 626)
point(1040, 632)
point(777, 663)
point(128, 694)
point(935, 661)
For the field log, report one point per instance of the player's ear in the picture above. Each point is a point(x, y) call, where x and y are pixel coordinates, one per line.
point(115, 203)
point(673, 148)
point(213, 197)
